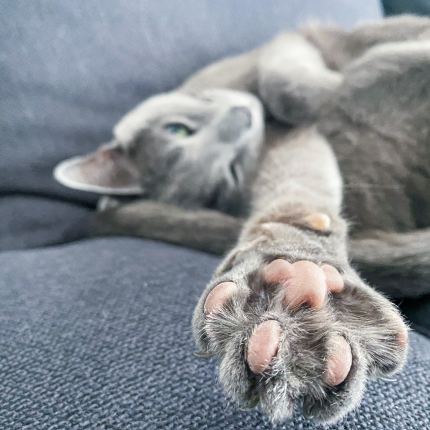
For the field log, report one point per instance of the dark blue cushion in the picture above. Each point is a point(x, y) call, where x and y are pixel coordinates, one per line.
point(28, 221)
point(97, 335)
point(398, 7)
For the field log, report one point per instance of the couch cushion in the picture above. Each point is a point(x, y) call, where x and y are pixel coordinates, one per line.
point(397, 7)
point(70, 70)
point(96, 334)
point(32, 221)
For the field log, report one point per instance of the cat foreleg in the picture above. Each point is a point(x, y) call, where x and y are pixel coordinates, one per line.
point(202, 229)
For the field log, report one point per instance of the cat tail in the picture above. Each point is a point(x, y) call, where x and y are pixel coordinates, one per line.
point(397, 264)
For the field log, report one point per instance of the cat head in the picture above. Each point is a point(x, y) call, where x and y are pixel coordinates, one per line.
point(190, 150)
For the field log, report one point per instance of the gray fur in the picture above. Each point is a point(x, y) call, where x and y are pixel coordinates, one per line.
point(295, 82)
point(398, 262)
point(351, 105)
point(310, 183)
point(206, 230)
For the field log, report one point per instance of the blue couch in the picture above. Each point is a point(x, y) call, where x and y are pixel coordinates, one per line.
point(95, 333)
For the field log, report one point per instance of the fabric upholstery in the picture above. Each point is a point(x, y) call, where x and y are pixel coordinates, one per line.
point(96, 335)
point(29, 221)
point(397, 7)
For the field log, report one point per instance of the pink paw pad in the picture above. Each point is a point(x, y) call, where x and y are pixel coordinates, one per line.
point(402, 338)
point(263, 345)
point(218, 296)
point(339, 361)
point(304, 281)
point(402, 330)
point(333, 279)
point(318, 221)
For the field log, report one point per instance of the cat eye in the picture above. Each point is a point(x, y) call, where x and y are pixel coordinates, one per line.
point(179, 129)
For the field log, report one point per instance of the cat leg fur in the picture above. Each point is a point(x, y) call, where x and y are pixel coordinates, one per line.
point(291, 321)
point(202, 229)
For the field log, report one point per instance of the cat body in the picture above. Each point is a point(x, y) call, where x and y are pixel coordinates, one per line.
point(274, 155)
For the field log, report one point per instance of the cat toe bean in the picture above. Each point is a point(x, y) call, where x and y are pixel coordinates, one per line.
point(402, 338)
point(263, 345)
point(304, 281)
point(339, 361)
point(218, 296)
point(278, 271)
point(333, 278)
point(307, 285)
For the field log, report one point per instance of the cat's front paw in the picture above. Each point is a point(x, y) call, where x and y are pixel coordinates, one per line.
point(298, 334)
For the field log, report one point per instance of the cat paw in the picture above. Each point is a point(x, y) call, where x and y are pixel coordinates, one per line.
point(298, 335)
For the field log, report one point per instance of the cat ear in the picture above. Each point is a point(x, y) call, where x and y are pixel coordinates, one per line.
point(106, 171)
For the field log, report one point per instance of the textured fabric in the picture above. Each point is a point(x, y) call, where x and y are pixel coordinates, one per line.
point(29, 222)
point(96, 335)
point(397, 7)
point(70, 70)
point(417, 312)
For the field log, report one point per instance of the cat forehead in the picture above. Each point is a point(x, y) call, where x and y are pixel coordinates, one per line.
point(181, 104)
point(163, 105)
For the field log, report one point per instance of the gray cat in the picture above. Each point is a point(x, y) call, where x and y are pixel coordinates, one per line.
point(266, 155)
